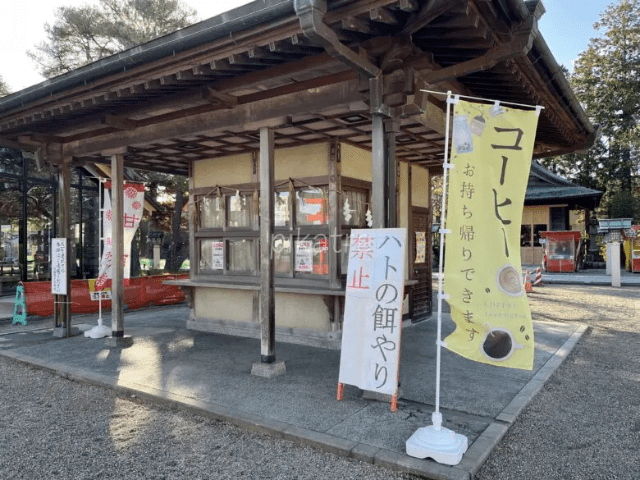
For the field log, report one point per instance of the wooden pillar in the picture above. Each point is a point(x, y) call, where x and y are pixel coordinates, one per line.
point(193, 218)
point(378, 171)
point(335, 204)
point(384, 174)
point(63, 307)
point(267, 296)
point(117, 229)
point(391, 169)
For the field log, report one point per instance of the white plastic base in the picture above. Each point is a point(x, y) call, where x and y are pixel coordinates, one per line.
point(437, 442)
point(98, 331)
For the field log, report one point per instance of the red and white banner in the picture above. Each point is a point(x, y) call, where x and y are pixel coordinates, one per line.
point(132, 209)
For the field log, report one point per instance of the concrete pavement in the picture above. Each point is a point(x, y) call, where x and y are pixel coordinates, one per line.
point(591, 277)
point(210, 375)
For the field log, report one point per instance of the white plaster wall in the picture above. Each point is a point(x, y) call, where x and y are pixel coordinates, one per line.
point(421, 190)
point(356, 162)
point(292, 309)
point(302, 311)
point(232, 170)
point(304, 161)
point(224, 304)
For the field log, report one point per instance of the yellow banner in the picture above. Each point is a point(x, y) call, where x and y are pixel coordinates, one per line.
point(491, 154)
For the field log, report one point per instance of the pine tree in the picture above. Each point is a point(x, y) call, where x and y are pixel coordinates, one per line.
point(606, 80)
point(81, 35)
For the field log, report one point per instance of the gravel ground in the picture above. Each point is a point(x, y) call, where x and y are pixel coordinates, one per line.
point(585, 422)
point(52, 428)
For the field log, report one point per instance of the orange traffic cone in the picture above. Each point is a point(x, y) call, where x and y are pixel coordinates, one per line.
point(527, 283)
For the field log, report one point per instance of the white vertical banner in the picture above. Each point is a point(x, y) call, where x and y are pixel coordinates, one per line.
point(133, 202)
point(59, 266)
point(370, 356)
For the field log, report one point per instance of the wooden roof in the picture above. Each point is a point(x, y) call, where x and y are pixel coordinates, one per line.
point(205, 91)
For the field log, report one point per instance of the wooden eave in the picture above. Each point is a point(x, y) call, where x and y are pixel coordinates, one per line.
point(210, 100)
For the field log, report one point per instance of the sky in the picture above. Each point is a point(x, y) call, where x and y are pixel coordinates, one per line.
point(566, 26)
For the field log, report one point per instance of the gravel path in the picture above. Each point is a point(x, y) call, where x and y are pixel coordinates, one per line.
point(52, 428)
point(585, 422)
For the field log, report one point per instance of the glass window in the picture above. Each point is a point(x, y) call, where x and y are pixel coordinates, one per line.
point(281, 207)
point(562, 249)
point(311, 206)
point(90, 230)
point(11, 161)
point(211, 212)
point(282, 254)
point(525, 236)
point(559, 218)
point(212, 254)
point(541, 227)
point(240, 213)
point(344, 255)
point(10, 214)
point(241, 256)
point(39, 231)
point(312, 256)
point(353, 208)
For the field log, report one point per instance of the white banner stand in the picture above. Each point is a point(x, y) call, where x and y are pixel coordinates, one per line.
point(100, 330)
point(434, 441)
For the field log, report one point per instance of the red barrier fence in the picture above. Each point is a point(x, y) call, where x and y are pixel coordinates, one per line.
point(141, 292)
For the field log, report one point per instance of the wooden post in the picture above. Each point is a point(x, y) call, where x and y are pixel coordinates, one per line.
point(334, 240)
point(63, 307)
point(391, 168)
point(378, 172)
point(193, 218)
point(267, 296)
point(117, 229)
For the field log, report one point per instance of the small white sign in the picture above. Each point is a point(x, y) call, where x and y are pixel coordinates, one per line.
point(59, 266)
point(421, 247)
point(304, 256)
point(217, 255)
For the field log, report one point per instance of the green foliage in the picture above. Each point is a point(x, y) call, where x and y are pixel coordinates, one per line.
point(607, 83)
point(4, 88)
point(624, 204)
point(81, 35)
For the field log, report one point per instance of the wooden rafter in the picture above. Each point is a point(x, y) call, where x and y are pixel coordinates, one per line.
point(519, 45)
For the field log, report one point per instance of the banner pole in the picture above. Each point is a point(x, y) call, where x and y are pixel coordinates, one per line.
point(437, 416)
point(101, 211)
point(435, 441)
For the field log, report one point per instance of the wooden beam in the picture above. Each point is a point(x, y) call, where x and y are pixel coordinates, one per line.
point(431, 10)
point(118, 122)
point(267, 294)
point(5, 142)
point(520, 45)
point(313, 100)
point(218, 98)
point(382, 15)
point(408, 5)
point(355, 24)
point(117, 229)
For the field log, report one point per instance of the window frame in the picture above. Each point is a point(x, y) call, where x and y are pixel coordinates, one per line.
point(293, 232)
